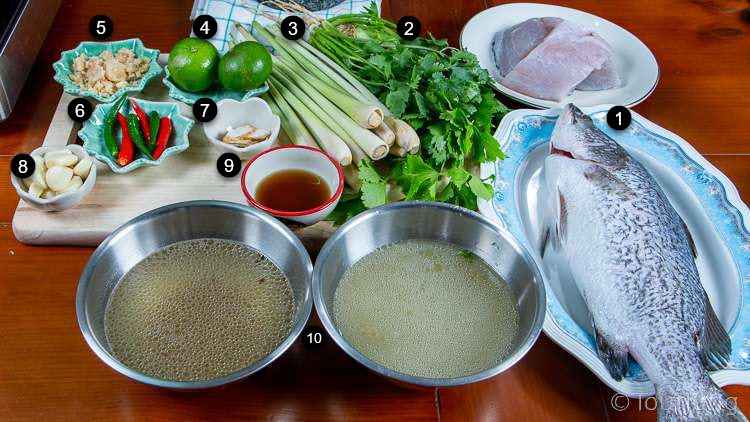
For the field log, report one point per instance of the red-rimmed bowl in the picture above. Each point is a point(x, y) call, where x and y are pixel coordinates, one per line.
point(294, 157)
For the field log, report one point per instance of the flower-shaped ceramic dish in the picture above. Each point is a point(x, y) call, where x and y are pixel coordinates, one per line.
point(63, 66)
point(255, 112)
point(705, 199)
point(93, 141)
point(63, 201)
point(215, 93)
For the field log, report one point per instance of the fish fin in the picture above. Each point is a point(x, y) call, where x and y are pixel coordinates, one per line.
point(614, 357)
point(608, 182)
point(689, 238)
point(704, 402)
point(714, 342)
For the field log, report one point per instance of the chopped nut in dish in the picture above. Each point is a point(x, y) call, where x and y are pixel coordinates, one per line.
point(244, 136)
point(106, 73)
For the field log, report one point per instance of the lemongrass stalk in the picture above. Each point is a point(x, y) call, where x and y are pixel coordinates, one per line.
point(385, 133)
point(308, 60)
point(284, 138)
point(325, 137)
point(406, 136)
point(373, 146)
point(290, 122)
point(397, 150)
point(365, 115)
point(357, 153)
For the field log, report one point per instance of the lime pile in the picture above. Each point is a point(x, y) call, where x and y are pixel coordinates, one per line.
point(195, 66)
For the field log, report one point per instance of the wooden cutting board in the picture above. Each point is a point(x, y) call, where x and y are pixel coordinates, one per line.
point(117, 198)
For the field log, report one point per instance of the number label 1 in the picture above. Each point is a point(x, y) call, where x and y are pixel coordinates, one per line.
point(80, 109)
point(228, 164)
point(619, 117)
point(293, 27)
point(22, 165)
point(205, 110)
point(408, 28)
point(101, 27)
point(313, 336)
point(205, 26)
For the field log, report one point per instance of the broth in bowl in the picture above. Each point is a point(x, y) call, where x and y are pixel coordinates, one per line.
point(198, 310)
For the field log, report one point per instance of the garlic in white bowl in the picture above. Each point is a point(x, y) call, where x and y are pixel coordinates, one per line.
point(61, 178)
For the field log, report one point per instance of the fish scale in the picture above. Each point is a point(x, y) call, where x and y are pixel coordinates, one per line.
point(632, 259)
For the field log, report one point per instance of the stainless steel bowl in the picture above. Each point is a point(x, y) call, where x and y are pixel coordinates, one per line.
point(432, 221)
point(144, 235)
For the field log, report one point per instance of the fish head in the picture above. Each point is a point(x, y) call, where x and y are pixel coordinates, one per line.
point(576, 137)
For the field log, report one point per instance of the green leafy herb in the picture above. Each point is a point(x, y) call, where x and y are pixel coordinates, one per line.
point(440, 91)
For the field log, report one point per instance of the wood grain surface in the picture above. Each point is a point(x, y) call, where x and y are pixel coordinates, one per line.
point(47, 371)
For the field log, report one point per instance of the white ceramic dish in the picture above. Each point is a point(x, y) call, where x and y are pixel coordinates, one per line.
point(294, 157)
point(706, 200)
point(66, 200)
point(233, 113)
point(634, 60)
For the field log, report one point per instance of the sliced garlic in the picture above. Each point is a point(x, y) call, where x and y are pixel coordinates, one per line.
point(61, 157)
point(36, 190)
point(58, 177)
point(83, 168)
point(245, 135)
point(48, 194)
point(75, 183)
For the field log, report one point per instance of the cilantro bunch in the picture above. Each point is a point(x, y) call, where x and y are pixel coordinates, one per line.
point(440, 91)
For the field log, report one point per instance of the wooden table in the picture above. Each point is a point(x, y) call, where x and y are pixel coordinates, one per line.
point(47, 371)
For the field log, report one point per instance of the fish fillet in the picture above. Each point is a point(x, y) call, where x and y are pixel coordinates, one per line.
point(606, 77)
point(561, 62)
point(510, 46)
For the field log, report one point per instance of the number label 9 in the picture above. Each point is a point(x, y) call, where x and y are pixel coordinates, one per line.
point(228, 164)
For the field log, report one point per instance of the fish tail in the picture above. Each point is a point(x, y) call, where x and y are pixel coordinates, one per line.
point(705, 402)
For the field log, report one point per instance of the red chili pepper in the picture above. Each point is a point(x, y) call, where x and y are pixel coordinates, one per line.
point(125, 156)
point(165, 129)
point(142, 119)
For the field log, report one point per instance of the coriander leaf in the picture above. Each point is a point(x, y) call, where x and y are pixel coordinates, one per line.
point(398, 98)
point(480, 189)
point(459, 176)
point(418, 179)
point(374, 188)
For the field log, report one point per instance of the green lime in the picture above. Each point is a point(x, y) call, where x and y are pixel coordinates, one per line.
point(245, 67)
point(192, 64)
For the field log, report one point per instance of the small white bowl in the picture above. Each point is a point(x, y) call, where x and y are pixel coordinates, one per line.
point(66, 200)
point(233, 113)
point(294, 157)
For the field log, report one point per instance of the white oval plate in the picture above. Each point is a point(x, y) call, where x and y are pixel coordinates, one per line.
point(634, 60)
point(707, 201)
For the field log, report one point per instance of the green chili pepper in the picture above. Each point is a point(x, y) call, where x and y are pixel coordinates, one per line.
point(154, 122)
point(134, 128)
point(109, 126)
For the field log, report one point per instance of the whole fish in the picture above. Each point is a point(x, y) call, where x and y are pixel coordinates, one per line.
point(633, 260)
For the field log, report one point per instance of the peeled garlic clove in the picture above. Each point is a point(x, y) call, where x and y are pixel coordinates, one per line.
point(48, 194)
point(38, 175)
point(58, 177)
point(75, 183)
point(61, 157)
point(36, 190)
point(83, 168)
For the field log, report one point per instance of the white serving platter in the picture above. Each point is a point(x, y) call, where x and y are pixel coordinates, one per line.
point(704, 197)
point(634, 60)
